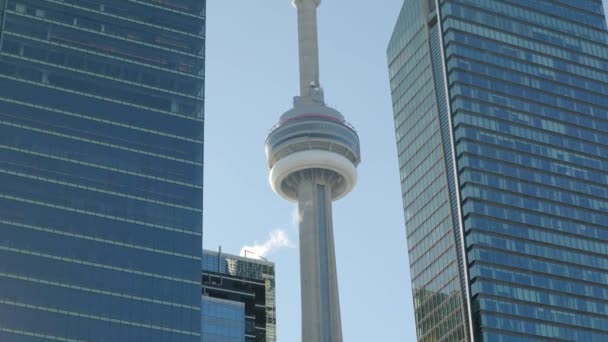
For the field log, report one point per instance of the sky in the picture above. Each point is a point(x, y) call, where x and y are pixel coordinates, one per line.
point(251, 77)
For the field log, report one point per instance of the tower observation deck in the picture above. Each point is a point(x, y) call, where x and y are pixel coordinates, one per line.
point(312, 155)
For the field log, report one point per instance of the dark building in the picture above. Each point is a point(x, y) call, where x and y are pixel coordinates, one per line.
point(238, 299)
point(501, 117)
point(101, 154)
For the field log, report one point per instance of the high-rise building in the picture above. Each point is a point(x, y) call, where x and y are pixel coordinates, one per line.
point(238, 299)
point(501, 118)
point(101, 152)
point(312, 156)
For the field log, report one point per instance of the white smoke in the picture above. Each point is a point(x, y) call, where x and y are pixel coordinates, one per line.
point(277, 239)
point(295, 217)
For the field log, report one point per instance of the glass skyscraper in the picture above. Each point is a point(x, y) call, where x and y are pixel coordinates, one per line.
point(101, 152)
point(238, 299)
point(501, 116)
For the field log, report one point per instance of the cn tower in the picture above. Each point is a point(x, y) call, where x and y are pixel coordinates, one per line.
point(312, 155)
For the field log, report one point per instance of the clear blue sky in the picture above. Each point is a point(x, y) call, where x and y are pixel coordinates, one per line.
point(252, 75)
point(251, 79)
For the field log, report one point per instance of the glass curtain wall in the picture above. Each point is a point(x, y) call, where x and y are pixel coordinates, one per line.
point(501, 118)
point(101, 154)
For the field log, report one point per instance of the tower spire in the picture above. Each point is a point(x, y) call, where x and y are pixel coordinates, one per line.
point(308, 47)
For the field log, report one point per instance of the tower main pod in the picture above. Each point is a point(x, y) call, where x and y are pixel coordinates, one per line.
point(312, 155)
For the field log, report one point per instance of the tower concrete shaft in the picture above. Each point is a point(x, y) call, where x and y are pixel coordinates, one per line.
point(308, 44)
point(319, 282)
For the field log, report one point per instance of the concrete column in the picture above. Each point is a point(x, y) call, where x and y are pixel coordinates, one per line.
point(319, 284)
point(308, 45)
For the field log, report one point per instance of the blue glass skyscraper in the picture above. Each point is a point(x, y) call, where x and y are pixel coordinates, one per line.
point(501, 116)
point(101, 152)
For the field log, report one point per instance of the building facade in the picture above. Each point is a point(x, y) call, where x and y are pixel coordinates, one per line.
point(101, 151)
point(501, 118)
point(238, 299)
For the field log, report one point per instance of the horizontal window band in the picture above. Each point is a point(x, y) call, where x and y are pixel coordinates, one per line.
point(10, 148)
point(96, 265)
point(38, 335)
point(92, 290)
point(88, 73)
point(128, 104)
point(90, 141)
point(90, 238)
point(130, 61)
point(166, 9)
point(118, 194)
point(127, 19)
point(86, 212)
point(94, 317)
point(109, 122)
point(104, 35)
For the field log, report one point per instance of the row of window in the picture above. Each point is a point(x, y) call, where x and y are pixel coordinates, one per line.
point(475, 140)
point(553, 331)
point(531, 264)
point(45, 96)
point(503, 79)
point(124, 73)
point(81, 327)
point(99, 226)
point(96, 304)
point(534, 204)
point(89, 128)
point(528, 30)
point(496, 104)
point(471, 59)
point(538, 297)
point(537, 190)
point(53, 270)
point(85, 85)
point(532, 218)
point(536, 14)
point(88, 251)
point(592, 55)
point(571, 287)
point(560, 175)
point(586, 239)
point(178, 13)
point(575, 320)
point(524, 54)
point(569, 124)
point(589, 17)
point(535, 249)
point(45, 143)
point(111, 25)
point(92, 176)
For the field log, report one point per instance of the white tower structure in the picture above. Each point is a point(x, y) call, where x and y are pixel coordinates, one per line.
point(312, 155)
